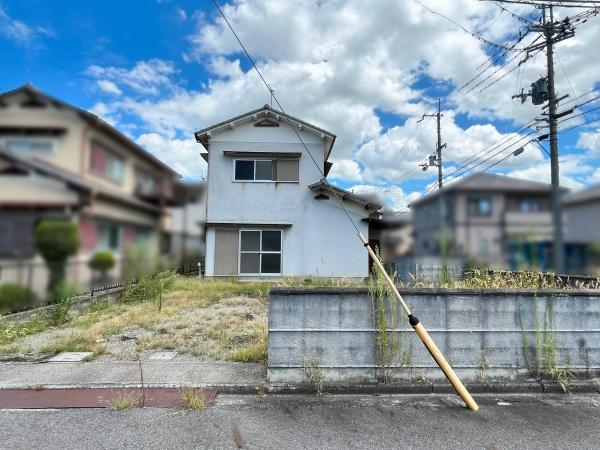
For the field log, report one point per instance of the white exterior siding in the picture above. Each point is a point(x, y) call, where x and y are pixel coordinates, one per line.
point(317, 240)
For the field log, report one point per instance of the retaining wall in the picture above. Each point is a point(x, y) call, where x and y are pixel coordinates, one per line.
point(483, 333)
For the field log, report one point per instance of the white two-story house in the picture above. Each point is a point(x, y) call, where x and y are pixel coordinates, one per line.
point(269, 214)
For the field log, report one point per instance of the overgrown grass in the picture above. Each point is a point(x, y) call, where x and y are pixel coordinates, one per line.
point(222, 319)
point(543, 363)
point(193, 398)
point(9, 332)
point(123, 403)
point(483, 278)
point(313, 372)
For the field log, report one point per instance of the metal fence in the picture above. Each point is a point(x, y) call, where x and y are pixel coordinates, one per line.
point(34, 276)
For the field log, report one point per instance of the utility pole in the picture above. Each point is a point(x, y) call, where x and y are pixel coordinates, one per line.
point(559, 251)
point(436, 161)
point(439, 142)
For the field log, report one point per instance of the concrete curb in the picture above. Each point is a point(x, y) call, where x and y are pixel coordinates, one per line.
point(587, 387)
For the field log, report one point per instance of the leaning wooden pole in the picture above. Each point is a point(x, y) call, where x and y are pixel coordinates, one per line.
point(423, 335)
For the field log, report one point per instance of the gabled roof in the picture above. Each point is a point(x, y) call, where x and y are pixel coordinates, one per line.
point(36, 94)
point(203, 135)
point(29, 164)
point(323, 187)
point(588, 194)
point(46, 169)
point(491, 182)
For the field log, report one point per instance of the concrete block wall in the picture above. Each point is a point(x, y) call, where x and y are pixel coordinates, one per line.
point(482, 333)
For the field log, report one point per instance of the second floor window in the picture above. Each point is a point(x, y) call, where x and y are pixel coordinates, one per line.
point(480, 206)
point(530, 205)
point(282, 170)
point(105, 163)
point(145, 183)
point(29, 145)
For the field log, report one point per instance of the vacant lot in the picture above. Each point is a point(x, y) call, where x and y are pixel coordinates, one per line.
point(212, 320)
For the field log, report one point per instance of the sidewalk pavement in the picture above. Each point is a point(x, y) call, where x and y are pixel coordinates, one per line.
point(232, 378)
point(223, 375)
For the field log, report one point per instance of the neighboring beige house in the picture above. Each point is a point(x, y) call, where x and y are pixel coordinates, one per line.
point(57, 160)
point(489, 219)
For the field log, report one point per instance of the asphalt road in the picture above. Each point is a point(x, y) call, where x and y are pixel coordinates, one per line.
point(334, 422)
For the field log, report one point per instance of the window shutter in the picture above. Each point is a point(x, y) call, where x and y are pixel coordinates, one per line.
point(226, 252)
point(287, 170)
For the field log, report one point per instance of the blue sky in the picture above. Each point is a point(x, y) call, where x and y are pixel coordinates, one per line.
point(159, 70)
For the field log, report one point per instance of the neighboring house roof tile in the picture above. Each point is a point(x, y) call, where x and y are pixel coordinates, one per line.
point(46, 169)
point(91, 118)
point(490, 182)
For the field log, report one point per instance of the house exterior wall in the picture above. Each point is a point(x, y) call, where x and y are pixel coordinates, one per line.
point(317, 239)
point(483, 238)
point(582, 221)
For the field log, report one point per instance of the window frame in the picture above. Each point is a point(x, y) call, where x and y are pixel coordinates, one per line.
point(273, 168)
point(108, 224)
point(260, 252)
point(51, 140)
point(110, 154)
point(477, 199)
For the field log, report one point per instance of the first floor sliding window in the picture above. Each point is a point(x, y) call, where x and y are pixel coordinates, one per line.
point(260, 252)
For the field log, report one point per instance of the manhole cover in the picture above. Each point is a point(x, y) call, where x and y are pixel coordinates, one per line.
point(162, 356)
point(70, 357)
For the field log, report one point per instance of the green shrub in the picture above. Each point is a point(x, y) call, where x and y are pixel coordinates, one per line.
point(102, 261)
point(56, 240)
point(14, 297)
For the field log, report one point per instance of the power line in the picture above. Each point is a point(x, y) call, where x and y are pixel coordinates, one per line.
point(476, 36)
point(564, 130)
point(512, 13)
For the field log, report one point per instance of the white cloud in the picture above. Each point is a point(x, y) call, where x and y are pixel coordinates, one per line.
point(590, 140)
point(183, 155)
point(22, 34)
point(181, 14)
point(109, 87)
point(146, 77)
point(340, 64)
point(574, 172)
point(391, 196)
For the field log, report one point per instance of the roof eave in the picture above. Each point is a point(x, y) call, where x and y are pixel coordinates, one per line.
point(93, 119)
